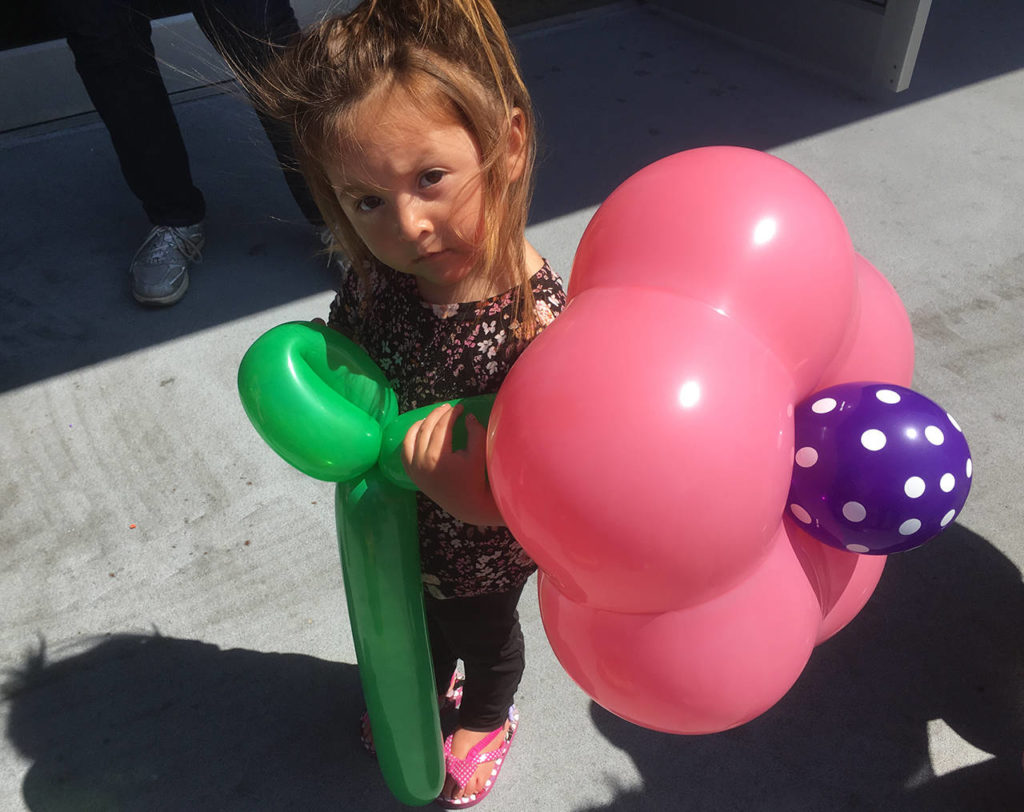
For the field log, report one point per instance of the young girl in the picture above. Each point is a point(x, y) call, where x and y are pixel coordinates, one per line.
point(416, 136)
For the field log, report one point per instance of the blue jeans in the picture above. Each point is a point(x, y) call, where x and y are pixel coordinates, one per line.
point(113, 49)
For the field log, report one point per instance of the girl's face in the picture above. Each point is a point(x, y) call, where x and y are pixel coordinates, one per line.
point(412, 190)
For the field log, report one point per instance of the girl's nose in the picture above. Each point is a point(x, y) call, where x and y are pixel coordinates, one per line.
point(413, 218)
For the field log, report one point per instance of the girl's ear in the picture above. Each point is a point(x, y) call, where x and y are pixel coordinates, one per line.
point(517, 148)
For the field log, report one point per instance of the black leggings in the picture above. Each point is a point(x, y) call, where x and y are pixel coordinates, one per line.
point(484, 632)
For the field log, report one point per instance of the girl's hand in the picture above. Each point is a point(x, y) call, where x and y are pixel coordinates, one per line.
point(455, 480)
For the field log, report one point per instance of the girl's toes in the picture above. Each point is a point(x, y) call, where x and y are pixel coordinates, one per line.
point(451, 790)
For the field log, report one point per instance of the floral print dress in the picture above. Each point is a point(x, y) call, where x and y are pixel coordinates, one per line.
point(432, 353)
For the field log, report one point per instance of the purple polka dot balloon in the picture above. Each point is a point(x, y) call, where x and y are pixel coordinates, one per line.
point(878, 468)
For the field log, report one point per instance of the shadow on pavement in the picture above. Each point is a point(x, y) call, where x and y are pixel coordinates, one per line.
point(939, 640)
point(73, 229)
point(139, 722)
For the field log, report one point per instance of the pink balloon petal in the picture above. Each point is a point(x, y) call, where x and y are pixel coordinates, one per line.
point(879, 345)
point(645, 466)
point(699, 670)
point(842, 581)
point(740, 230)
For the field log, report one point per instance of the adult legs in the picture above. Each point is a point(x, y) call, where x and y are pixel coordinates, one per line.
point(113, 52)
point(247, 33)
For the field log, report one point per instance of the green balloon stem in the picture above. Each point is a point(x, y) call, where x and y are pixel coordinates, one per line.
point(376, 521)
point(324, 406)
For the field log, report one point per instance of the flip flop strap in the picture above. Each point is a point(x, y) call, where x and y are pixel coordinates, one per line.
point(462, 769)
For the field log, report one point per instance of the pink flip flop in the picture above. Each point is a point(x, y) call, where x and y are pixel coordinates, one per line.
point(451, 699)
point(462, 769)
point(453, 696)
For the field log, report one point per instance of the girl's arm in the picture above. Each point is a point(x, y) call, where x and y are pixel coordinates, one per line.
point(455, 480)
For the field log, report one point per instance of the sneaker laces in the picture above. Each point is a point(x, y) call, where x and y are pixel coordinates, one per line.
point(164, 239)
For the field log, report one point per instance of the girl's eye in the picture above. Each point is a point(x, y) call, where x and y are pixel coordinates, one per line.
point(431, 177)
point(368, 203)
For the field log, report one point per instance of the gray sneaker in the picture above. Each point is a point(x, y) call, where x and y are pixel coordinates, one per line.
point(160, 267)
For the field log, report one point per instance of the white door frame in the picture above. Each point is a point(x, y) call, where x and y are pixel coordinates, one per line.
point(868, 44)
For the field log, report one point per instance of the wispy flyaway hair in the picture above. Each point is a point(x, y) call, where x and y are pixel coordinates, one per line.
point(452, 57)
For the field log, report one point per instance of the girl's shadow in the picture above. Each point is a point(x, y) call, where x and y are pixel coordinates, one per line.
point(140, 722)
point(872, 723)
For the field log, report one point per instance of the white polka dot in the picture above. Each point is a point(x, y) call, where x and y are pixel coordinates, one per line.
point(823, 406)
point(909, 527)
point(947, 483)
point(800, 513)
point(934, 435)
point(806, 457)
point(789, 410)
point(887, 396)
point(913, 487)
point(955, 424)
point(947, 518)
point(854, 511)
point(858, 548)
point(873, 440)
point(969, 468)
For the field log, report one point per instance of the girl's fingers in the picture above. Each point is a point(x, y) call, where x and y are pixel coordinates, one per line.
point(475, 430)
point(435, 417)
point(428, 439)
point(411, 441)
point(428, 429)
point(440, 440)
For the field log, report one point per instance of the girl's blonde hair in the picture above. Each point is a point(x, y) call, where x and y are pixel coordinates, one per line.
point(452, 53)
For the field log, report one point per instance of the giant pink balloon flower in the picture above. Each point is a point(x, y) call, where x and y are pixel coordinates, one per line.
point(641, 449)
